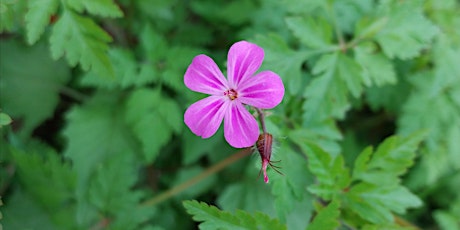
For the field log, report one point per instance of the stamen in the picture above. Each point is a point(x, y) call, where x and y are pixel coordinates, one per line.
point(231, 93)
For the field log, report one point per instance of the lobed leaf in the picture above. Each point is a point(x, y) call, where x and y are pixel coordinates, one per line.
point(390, 160)
point(29, 91)
point(152, 117)
point(315, 33)
point(407, 32)
point(81, 41)
point(38, 17)
point(376, 204)
point(284, 61)
point(376, 68)
point(331, 174)
point(327, 218)
point(213, 218)
point(104, 8)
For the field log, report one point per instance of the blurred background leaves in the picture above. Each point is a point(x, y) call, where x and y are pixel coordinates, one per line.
point(92, 100)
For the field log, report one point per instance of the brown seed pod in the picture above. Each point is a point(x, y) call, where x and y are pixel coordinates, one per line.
point(264, 146)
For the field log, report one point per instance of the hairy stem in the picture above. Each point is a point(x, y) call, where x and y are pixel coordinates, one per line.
point(261, 119)
point(192, 181)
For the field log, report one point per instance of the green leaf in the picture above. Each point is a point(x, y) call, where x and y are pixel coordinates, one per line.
point(126, 72)
point(446, 220)
point(81, 41)
point(11, 15)
point(38, 17)
point(213, 218)
point(284, 61)
point(315, 33)
point(248, 195)
point(327, 218)
point(375, 203)
point(376, 68)
point(39, 168)
point(348, 12)
point(331, 174)
point(390, 160)
point(104, 8)
point(22, 212)
point(30, 84)
point(5, 119)
point(96, 131)
point(177, 60)
point(290, 189)
point(407, 32)
point(327, 94)
point(110, 191)
point(154, 119)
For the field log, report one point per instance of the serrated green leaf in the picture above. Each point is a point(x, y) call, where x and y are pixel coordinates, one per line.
point(248, 195)
point(30, 84)
point(11, 14)
point(390, 160)
point(348, 12)
point(96, 130)
point(153, 44)
point(38, 17)
point(176, 61)
point(290, 189)
point(376, 204)
point(348, 71)
point(110, 191)
point(126, 72)
point(313, 32)
point(407, 32)
point(327, 218)
point(40, 168)
point(81, 41)
point(152, 117)
point(213, 218)
point(331, 174)
point(104, 8)
point(327, 94)
point(22, 212)
point(284, 61)
point(376, 68)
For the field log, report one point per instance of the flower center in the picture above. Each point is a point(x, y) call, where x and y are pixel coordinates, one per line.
point(231, 93)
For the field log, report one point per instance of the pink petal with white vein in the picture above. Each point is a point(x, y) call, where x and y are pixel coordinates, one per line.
point(264, 91)
point(204, 76)
point(240, 127)
point(243, 60)
point(205, 116)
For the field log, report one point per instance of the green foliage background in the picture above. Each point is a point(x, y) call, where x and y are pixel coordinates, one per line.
point(95, 92)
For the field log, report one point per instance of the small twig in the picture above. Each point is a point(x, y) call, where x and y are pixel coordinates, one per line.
point(194, 180)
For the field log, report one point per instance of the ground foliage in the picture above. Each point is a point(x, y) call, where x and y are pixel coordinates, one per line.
point(92, 101)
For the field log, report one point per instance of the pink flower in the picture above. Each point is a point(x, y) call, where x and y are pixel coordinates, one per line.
point(228, 96)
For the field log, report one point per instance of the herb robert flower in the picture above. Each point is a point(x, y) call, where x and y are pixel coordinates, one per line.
point(228, 96)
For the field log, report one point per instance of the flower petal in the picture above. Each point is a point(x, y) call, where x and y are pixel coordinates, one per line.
point(240, 127)
point(264, 91)
point(205, 116)
point(244, 59)
point(204, 76)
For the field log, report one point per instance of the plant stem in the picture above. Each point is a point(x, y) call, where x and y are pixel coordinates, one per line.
point(194, 180)
point(261, 119)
